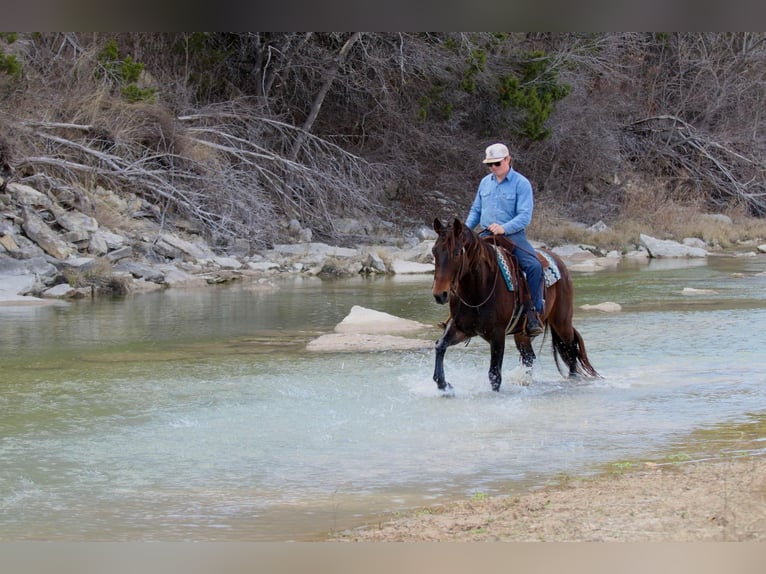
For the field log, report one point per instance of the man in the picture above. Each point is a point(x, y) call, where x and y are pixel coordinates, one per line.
point(503, 206)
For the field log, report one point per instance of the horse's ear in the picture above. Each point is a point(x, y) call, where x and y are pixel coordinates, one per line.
point(457, 226)
point(437, 225)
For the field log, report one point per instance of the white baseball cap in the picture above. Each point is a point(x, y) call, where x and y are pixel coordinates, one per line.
point(495, 152)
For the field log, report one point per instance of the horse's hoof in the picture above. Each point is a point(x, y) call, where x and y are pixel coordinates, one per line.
point(448, 391)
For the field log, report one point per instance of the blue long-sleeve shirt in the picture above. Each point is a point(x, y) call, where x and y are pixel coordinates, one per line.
point(509, 203)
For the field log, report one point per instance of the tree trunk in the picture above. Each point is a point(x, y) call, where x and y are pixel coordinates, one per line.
point(330, 74)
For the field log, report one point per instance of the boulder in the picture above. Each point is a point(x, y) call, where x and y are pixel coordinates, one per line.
point(363, 320)
point(369, 330)
point(658, 248)
point(402, 267)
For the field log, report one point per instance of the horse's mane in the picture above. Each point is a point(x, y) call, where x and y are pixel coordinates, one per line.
point(478, 250)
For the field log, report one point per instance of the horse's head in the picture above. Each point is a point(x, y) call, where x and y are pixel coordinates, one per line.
point(447, 252)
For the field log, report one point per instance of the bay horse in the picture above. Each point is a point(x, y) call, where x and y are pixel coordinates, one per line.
point(468, 274)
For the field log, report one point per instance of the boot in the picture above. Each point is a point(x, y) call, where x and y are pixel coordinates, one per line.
point(533, 328)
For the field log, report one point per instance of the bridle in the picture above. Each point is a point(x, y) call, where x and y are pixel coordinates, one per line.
point(518, 311)
point(459, 273)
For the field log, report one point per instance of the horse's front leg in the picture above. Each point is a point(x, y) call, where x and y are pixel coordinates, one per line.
point(450, 336)
point(497, 350)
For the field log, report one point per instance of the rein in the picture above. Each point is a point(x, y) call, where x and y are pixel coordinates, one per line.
point(453, 286)
point(518, 311)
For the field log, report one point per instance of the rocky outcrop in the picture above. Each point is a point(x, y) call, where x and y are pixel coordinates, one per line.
point(111, 239)
point(139, 250)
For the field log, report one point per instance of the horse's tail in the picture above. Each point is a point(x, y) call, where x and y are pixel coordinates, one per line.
point(573, 354)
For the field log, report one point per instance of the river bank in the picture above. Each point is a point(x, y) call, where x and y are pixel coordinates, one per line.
point(718, 498)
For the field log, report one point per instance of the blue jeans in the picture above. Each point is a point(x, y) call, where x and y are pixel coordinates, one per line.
point(527, 257)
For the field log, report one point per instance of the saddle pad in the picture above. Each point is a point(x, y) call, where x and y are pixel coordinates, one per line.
point(551, 272)
point(504, 267)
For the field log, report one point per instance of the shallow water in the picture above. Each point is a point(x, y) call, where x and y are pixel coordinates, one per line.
point(198, 415)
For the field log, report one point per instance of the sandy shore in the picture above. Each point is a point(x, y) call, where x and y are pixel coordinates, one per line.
point(716, 499)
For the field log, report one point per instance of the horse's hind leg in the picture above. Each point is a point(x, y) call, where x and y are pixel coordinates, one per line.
point(565, 345)
point(526, 352)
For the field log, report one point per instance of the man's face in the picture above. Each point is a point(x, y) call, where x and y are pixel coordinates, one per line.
point(500, 168)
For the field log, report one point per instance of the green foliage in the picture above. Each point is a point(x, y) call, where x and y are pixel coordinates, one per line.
point(9, 64)
point(207, 54)
point(124, 73)
point(477, 62)
point(534, 92)
point(434, 105)
point(134, 94)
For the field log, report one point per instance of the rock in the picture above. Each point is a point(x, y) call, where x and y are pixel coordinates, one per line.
point(606, 306)
point(374, 263)
point(226, 262)
point(363, 320)
point(39, 232)
point(112, 240)
point(176, 243)
point(262, 265)
point(140, 271)
point(640, 253)
point(401, 267)
point(694, 242)
point(573, 253)
point(14, 287)
point(598, 227)
point(369, 330)
point(426, 234)
point(9, 243)
point(762, 248)
point(421, 252)
point(28, 196)
point(97, 245)
point(313, 251)
point(119, 254)
point(595, 264)
point(175, 277)
point(352, 226)
point(693, 291)
point(77, 236)
point(667, 248)
point(65, 291)
point(355, 342)
point(76, 221)
point(74, 262)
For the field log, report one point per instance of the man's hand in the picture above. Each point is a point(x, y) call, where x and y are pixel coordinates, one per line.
point(496, 229)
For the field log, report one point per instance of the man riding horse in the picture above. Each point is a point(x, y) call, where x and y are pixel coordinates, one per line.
point(503, 206)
